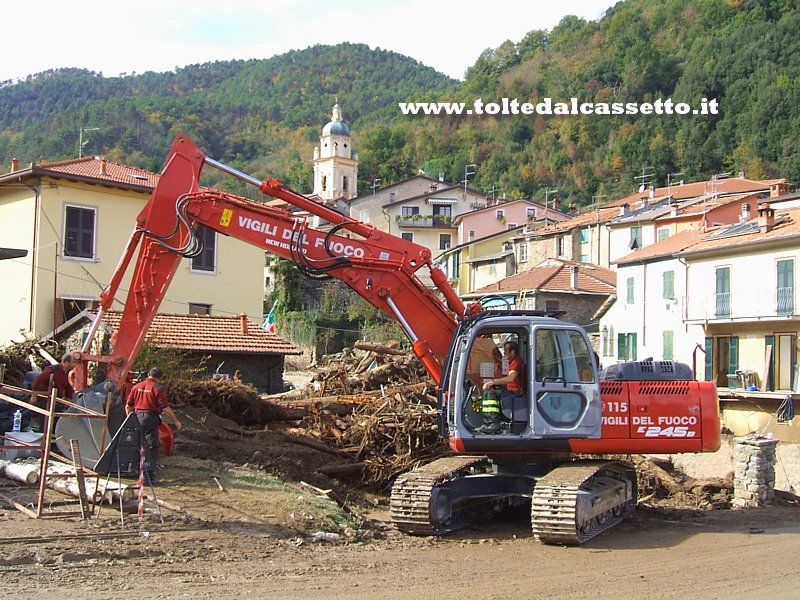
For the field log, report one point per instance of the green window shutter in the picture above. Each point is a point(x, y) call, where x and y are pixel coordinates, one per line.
point(633, 345)
point(733, 354)
point(622, 350)
point(669, 285)
point(769, 340)
point(667, 352)
point(630, 290)
point(709, 358)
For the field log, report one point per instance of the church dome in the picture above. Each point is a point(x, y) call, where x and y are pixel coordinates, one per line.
point(336, 126)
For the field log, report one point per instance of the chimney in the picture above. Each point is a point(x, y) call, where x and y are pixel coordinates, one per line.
point(441, 176)
point(103, 167)
point(745, 216)
point(652, 192)
point(14, 164)
point(243, 323)
point(574, 280)
point(766, 217)
point(623, 210)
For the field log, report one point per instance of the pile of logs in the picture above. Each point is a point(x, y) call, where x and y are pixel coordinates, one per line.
point(376, 410)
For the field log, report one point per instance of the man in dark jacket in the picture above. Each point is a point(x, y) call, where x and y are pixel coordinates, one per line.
point(148, 399)
point(60, 381)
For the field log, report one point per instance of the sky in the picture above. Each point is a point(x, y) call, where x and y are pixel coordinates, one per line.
point(126, 37)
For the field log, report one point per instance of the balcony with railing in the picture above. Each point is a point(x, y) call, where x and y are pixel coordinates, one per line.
point(430, 221)
point(755, 305)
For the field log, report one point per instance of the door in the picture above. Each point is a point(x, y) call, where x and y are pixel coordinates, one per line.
point(566, 399)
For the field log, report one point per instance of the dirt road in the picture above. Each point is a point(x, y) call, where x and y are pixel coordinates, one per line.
point(241, 508)
point(656, 554)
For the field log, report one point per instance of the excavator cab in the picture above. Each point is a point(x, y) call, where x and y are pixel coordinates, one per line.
point(562, 390)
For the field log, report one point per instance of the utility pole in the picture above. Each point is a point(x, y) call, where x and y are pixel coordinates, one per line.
point(375, 185)
point(467, 173)
point(81, 143)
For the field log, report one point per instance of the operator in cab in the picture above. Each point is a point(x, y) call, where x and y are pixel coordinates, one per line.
point(514, 389)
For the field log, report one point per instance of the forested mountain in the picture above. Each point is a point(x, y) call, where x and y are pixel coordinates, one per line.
point(264, 116)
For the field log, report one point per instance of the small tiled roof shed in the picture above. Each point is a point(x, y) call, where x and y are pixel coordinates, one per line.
point(233, 344)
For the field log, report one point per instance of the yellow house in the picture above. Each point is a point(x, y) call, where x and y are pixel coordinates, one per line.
point(74, 218)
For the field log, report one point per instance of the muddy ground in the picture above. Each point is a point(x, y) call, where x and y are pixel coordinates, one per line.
point(239, 513)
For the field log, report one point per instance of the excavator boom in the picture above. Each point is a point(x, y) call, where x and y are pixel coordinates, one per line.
point(382, 269)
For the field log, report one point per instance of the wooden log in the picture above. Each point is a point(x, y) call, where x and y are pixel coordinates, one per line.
point(303, 441)
point(379, 349)
point(24, 472)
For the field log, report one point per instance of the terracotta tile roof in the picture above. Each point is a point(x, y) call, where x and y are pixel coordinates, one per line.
point(664, 248)
point(705, 204)
point(602, 215)
point(732, 185)
point(98, 170)
point(204, 333)
point(786, 228)
point(555, 275)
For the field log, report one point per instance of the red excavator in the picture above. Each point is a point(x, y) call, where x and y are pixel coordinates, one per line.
point(550, 444)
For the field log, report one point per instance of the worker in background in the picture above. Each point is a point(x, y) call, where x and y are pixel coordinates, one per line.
point(60, 378)
point(148, 399)
point(52, 377)
point(514, 389)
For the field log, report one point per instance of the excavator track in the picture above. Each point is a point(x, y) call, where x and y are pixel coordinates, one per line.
point(577, 501)
point(420, 507)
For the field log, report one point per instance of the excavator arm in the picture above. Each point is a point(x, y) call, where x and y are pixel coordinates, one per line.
point(380, 267)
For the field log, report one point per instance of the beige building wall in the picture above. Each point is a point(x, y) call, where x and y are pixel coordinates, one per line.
point(46, 275)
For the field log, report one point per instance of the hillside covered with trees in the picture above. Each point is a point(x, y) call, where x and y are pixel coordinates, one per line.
point(264, 116)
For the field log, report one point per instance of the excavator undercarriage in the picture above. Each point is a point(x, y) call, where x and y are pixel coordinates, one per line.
point(570, 502)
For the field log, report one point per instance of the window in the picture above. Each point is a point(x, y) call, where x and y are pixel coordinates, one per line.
point(667, 352)
point(471, 234)
point(410, 211)
point(585, 235)
point(67, 308)
point(560, 246)
point(500, 214)
point(785, 287)
point(363, 216)
point(636, 238)
point(530, 213)
point(206, 260)
point(344, 183)
point(663, 233)
point(392, 197)
point(409, 237)
point(444, 241)
point(199, 309)
point(79, 234)
point(551, 305)
point(511, 226)
point(442, 215)
point(626, 346)
point(324, 183)
point(523, 251)
point(723, 292)
point(668, 285)
point(563, 355)
point(630, 283)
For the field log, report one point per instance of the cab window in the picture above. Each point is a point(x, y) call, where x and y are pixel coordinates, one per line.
point(563, 355)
